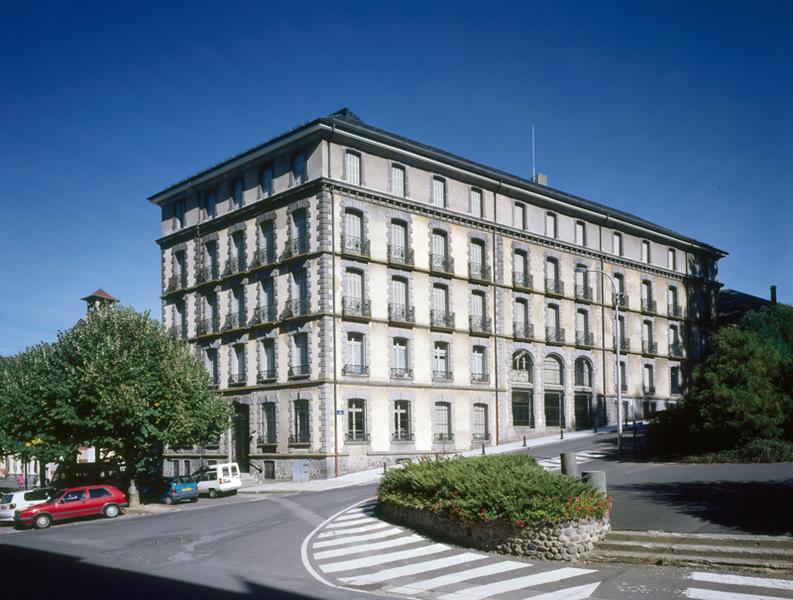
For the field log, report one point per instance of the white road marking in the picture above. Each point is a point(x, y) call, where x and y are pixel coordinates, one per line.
point(359, 521)
point(579, 592)
point(340, 541)
point(702, 594)
point(355, 515)
point(414, 569)
point(343, 532)
point(359, 548)
point(499, 587)
point(371, 561)
point(777, 584)
point(436, 582)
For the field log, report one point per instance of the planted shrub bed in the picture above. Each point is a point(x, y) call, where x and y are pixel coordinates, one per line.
point(507, 504)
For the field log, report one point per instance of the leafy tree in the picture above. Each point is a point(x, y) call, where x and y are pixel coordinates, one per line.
point(130, 389)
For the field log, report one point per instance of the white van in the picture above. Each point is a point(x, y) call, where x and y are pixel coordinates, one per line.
point(222, 478)
point(20, 500)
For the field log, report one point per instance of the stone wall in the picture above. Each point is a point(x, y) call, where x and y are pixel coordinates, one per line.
point(563, 541)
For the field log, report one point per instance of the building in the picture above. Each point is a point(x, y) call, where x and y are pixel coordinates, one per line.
point(733, 305)
point(361, 298)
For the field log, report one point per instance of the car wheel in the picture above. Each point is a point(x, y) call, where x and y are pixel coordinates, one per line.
point(42, 521)
point(213, 493)
point(168, 500)
point(194, 499)
point(111, 511)
point(233, 492)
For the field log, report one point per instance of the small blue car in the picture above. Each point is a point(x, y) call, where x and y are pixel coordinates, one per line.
point(181, 487)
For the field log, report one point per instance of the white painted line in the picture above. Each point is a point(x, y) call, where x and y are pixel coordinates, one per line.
point(381, 559)
point(777, 584)
point(343, 532)
point(353, 523)
point(356, 515)
point(359, 548)
point(702, 594)
point(342, 541)
point(579, 592)
point(414, 569)
point(436, 582)
point(499, 587)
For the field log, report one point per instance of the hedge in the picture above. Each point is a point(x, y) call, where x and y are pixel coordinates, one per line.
point(512, 488)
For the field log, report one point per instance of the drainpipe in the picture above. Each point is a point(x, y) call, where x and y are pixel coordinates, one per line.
point(495, 329)
point(333, 308)
point(602, 328)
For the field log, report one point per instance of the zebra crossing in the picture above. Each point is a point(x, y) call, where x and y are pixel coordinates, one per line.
point(357, 551)
point(725, 586)
point(555, 463)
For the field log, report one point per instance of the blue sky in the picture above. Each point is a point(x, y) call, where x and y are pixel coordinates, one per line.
point(680, 112)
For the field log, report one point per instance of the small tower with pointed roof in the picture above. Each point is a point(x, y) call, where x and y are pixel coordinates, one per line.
point(98, 299)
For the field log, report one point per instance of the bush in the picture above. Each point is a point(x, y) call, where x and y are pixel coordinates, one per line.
point(756, 451)
point(491, 488)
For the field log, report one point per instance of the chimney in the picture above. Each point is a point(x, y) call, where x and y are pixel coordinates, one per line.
point(541, 178)
point(773, 295)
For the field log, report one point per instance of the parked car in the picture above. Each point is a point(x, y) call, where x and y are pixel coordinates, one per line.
point(172, 489)
point(223, 478)
point(20, 500)
point(74, 503)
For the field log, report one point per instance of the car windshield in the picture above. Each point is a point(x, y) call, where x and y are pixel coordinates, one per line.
point(6, 499)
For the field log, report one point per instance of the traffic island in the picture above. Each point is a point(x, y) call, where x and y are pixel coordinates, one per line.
point(504, 504)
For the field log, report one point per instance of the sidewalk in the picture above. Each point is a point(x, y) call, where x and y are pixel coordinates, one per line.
point(374, 475)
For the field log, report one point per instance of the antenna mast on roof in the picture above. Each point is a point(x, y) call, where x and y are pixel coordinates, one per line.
point(533, 173)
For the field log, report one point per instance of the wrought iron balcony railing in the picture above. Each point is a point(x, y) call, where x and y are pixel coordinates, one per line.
point(675, 311)
point(401, 313)
point(262, 257)
point(622, 299)
point(400, 255)
point(649, 389)
point(522, 331)
point(234, 320)
point(441, 263)
point(676, 350)
point(296, 308)
point(354, 245)
point(649, 306)
point(583, 293)
point(176, 282)
point(234, 265)
point(265, 375)
point(401, 373)
point(352, 306)
point(554, 287)
point(205, 274)
point(649, 347)
point(295, 247)
point(585, 339)
point(209, 326)
point(479, 271)
point(360, 370)
point(480, 436)
point(442, 375)
point(402, 436)
point(262, 315)
point(520, 376)
point(480, 377)
point(479, 324)
point(296, 371)
point(554, 335)
point(521, 279)
point(178, 331)
point(441, 319)
point(300, 438)
point(625, 344)
point(357, 436)
point(443, 437)
point(238, 378)
point(269, 440)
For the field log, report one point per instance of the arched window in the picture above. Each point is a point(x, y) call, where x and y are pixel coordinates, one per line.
point(583, 373)
point(553, 372)
point(522, 367)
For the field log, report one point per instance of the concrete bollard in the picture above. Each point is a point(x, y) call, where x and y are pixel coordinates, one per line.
point(385, 468)
point(569, 464)
point(597, 479)
point(483, 449)
point(524, 441)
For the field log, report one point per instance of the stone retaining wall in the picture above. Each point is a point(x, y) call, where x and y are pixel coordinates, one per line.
point(563, 541)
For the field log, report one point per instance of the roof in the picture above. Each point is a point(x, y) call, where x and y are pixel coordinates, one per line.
point(101, 294)
point(346, 119)
point(732, 304)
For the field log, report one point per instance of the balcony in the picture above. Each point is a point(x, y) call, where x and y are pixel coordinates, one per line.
point(675, 311)
point(520, 376)
point(554, 287)
point(522, 280)
point(649, 306)
point(269, 440)
point(357, 370)
point(357, 437)
point(442, 375)
point(443, 437)
point(622, 300)
point(400, 255)
point(623, 386)
point(354, 246)
point(262, 315)
point(296, 308)
point(480, 377)
point(178, 332)
point(233, 266)
point(441, 319)
point(583, 293)
point(401, 313)
point(238, 378)
point(625, 344)
point(584, 339)
point(401, 373)
point(205, 274)
point(649, 347)
point(649, 389)
point(298, 372)
point(262, 257)
point(479, 271)
point(522, 331)
point(441, 263)
point(355, 308)
point(554, 335)
point(265, 375)
point(234, 321)
point(676, 350)
point(295, 247)
point(481, 436)
point(176, 282)
point(675, 388)
point(300, 439)
point(479, 324)
point(402, 436)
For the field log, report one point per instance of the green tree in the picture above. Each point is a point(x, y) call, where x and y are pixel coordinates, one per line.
point(131, 389)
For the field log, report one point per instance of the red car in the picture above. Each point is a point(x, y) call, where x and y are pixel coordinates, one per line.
point(74, 503)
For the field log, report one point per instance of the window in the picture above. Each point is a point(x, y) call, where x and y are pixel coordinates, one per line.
point(440, 360)
point(397, 248)
point(402, 430)
point(237, 251)
point(552, 282)
point(675, 386)
point(266, 308)
point(623, 373)
point(353, 285)
point(300, 230)
point(211, 259)
point(552, 317)
point(520, 269)
point(237, 191)
point(580, 233)
point(647, 337)
point(353, 233)
point(476, 203)
point(648, 379)
point(237, 368)
point(523, 409)
point(619, 280)
point(674, 341)
point(440, 297)
point(299, 168)
point(439, 192)
point(356, 420)
point(269, 435)
point(519, 215)
point(439, 257)
point(398, 180)
point(621, 330)
point(211, 204)
point(550, 225)
point(179, 214)
point(442, 422)
point(583, 373)
point(355, 354)
point(211, 364)
point(673, 308)
point(300, 290)
point(74, 496)
point(645, 251)
point(98, 493)
point(478, 364)
point(266, 245)
point(266, 181)
point(616, 244)
point(267, 359)
point(582, 289)
point(179, 270)
point(476, 265)
point(302, 427)
point(520, 319)
point(439, 246)
point(671, 259)
point(583, 336)
point(478, 304)
point(352, 167)
point(552, 371)
point(399, 291)
point(399, 357)
point(648, 305)
point(480, 429)
point(300, 354)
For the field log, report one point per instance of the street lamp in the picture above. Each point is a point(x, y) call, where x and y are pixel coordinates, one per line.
point(617, 297)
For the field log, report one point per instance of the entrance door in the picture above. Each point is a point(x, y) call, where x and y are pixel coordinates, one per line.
point(242, 437)
point(583, 416)
point(554, 409)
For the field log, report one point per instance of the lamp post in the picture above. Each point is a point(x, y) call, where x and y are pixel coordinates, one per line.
point(617, 297)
